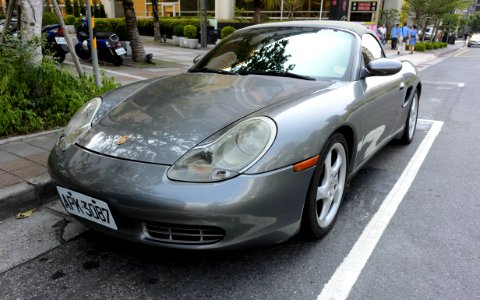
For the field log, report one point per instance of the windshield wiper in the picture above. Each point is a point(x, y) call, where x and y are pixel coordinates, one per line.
point(276, 73)
point(210, 70)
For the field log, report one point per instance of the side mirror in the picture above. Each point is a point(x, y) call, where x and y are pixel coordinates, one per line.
point(382, 67)
point(197, 58)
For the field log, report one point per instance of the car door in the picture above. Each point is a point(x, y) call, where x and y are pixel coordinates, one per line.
point(383, 96)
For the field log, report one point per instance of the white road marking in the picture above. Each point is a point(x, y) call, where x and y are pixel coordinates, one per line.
point(458, 84)
point(342, 281)
point(110, 71)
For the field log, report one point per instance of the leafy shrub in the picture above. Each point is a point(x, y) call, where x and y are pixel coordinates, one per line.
point(428, 46)
point(444, 44)
point(435, 45)
point(121, 31)
point(49, 18)
point(103, 25)
point(226, 31)
point(190, 32)
point(420, 47)
point(69, 19)
point(178, 30)
point(39, 98)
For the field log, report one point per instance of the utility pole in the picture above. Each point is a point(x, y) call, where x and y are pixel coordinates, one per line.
point(203, 24)
point(93, 41)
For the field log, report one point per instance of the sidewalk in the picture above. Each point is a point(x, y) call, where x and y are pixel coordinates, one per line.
point(24, 179)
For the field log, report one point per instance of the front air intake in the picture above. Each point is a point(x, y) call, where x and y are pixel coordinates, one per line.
point(183, 234)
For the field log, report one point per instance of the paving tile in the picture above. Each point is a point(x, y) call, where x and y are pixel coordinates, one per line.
point(41, 158)
point(7, 179)
point(30, 172)
point(16, 164)
point(45, 141)
point(5, 156)
point(21, 149)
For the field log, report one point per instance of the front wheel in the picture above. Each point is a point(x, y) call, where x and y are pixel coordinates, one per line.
point(411, 122)
point(327, 188)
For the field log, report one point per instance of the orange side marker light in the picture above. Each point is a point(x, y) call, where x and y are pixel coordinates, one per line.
point(308, 163)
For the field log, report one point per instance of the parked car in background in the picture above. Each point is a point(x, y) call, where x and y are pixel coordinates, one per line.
point(474, 40)
point(428, 33)
point(254, 143)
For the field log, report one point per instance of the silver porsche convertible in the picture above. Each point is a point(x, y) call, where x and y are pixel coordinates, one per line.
point(254, 143)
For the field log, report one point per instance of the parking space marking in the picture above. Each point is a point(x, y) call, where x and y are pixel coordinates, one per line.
point(342, 281)
point(443, 84)
point(110, 71)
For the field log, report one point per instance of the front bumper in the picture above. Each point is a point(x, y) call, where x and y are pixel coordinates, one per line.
point(251, 210)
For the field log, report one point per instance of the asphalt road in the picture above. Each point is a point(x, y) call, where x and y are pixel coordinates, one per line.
point(430, 248)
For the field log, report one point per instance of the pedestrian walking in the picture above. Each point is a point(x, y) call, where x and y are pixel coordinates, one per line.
point(394, 36)
point(382, 34)
point(403, 38)
point(412, 37)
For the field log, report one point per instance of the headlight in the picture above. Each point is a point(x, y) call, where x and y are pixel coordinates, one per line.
point(80, 123)
point(232, 153)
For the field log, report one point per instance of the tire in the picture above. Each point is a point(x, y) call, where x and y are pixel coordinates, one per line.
point(82, 54)
point(327, 188)
point(411, 122)
point(117, 61)
point(59, 57)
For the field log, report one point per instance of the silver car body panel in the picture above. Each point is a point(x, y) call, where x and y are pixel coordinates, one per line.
point(170, 116)
point(250, 214)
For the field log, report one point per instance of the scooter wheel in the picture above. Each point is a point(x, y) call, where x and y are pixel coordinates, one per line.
point(59, 57)
point(118, 61)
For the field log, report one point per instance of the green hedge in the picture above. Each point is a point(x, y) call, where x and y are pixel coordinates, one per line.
point(420, 47)
point(190, 32)
point(178, 30)
point(145, 25)
point(226, 31)
point(49, 18)
point(167, 25)
point(70, 20)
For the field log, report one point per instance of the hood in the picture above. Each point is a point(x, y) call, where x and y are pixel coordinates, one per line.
point(171, 115)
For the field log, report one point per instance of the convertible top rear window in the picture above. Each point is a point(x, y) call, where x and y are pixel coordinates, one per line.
point(320, 53)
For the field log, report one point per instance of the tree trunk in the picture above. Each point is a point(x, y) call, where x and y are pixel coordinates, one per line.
point(257, 9)
point(31, 26)
point(157, 36)
point(138, 52)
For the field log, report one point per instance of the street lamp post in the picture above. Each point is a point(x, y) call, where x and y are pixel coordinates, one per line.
point(321, 10)
point(281, 11)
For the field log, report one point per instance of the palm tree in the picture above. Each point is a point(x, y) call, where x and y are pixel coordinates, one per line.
point(138, 52)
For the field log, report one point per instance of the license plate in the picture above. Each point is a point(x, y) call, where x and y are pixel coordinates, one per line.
point(60, 40)
point(120, 51)
point(86, 207)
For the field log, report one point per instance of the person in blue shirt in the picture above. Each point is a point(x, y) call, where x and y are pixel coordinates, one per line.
point(402, 38)
point(412, 37)
point(394, 36)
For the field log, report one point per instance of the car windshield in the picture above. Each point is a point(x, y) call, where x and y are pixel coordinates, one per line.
point(299, 52)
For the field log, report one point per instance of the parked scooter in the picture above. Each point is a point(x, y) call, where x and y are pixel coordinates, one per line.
point(109, 48)
point(56, 43)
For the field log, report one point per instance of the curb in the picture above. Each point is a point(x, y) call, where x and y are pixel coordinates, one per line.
point(26, 195)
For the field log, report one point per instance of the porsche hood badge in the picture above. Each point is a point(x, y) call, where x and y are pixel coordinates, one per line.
point(122, 140)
